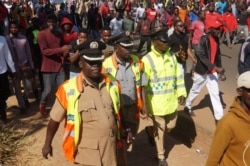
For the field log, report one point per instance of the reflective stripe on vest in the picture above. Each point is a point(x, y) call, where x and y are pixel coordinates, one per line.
point(156, 78)
point(68, 95)
point(110, 66)
point(159, 82)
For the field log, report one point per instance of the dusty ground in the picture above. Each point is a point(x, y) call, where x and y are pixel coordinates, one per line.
point(188, 143)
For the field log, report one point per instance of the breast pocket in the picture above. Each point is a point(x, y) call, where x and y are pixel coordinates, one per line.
point(88, 109)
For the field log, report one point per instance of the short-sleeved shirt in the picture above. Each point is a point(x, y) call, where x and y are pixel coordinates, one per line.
point(95, 105)
point(212, 17)
point(98, 142)
point(126, 78)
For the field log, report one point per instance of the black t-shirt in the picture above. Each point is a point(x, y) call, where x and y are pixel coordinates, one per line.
point(177, 40)
point(74, 66)
point(243, 18)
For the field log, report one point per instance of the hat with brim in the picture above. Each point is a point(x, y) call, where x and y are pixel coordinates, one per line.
point(91, 50)
point(123, 39)
point(160, 35)
point(124, 42)
point(244, 80)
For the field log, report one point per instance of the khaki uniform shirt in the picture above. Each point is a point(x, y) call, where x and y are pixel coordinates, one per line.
point(98, 143)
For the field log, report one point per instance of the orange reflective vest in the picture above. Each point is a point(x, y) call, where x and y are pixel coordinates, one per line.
point(110, 66)
point(68, 95)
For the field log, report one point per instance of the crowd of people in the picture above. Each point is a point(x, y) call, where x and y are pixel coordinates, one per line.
point(83, 51)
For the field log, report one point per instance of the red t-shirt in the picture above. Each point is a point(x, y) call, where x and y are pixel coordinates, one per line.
point(198, 31)
point(212, 17)
point(231, 22)
point(151, 14)
point(213, 50)
point(105, 11)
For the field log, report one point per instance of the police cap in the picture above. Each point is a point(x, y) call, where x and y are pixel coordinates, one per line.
point(91, 50)
point(160, 35)
point(123, 39)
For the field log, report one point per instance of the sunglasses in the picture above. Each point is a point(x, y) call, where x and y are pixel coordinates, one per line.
point(181, 25)
point(246, 89)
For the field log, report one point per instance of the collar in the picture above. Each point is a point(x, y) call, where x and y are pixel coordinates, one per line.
point(117, 61)
point(83, 82)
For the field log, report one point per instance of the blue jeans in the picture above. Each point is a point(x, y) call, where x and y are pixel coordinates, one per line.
point(20, 96)
point(51, 80)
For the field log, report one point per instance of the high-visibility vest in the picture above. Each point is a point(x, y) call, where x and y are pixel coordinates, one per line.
point(165, 82)
point(68, 95)
point(110, 66)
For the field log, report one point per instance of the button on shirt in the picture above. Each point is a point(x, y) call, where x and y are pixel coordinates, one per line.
point(95, 105)
point(126, 78)
point(116, 26)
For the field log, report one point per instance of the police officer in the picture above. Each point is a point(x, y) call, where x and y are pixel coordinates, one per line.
point(165, 88)
point(128, 70)
point(88, 103)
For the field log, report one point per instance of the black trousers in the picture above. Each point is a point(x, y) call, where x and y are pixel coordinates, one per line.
point(142, 41)
point(4, 93)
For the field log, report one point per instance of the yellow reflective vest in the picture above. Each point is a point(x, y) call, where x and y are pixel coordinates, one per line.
point(110, 66)
point(165, 82)
point(68, 95)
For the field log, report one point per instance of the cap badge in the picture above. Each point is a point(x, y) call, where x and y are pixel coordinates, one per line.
point(93, 45)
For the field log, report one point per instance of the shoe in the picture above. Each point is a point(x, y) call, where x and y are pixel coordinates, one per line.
point(42, 109)
point(151, 139)
point(162, 162)
point(189, 111)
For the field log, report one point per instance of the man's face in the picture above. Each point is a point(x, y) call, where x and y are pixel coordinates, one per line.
point(211, 7)
point(13, 29)
point(66, 27)
point(123, 52)
point(82, 37)
point(196, 5)
point(179, 27)
point(202, 16)
point(91, 69)
point(106, 35)
point(176, 11)
point(117, 15)
point(51, 24)
point(215, 32)
point(160, 45)
point(245, 96)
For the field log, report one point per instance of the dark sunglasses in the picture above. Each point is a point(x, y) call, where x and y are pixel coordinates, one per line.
point(246, 89)
point(181, 25)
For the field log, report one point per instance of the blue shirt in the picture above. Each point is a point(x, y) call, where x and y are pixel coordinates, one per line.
point(193, 16)
point(220, 7)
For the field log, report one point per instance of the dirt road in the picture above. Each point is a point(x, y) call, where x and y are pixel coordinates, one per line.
point(187, 144)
